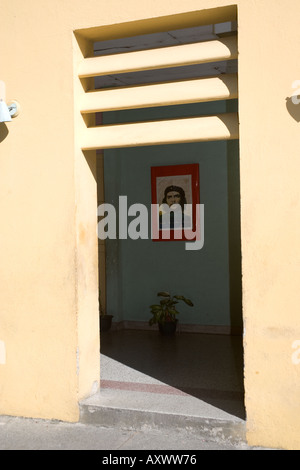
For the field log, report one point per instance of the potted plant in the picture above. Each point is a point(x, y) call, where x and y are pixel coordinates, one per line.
point(164, 313)
point(105, 320)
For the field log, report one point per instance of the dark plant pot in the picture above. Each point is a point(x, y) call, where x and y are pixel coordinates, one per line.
point(168, 328)
point(105, 322)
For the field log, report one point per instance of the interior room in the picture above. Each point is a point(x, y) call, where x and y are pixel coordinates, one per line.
point(203, 363)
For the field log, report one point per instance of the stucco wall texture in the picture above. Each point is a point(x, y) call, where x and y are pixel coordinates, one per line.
point(48, 272)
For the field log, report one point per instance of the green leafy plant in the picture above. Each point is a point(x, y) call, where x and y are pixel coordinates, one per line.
point(165, 311)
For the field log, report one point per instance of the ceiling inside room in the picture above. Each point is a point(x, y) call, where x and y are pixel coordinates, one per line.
point(165, 39)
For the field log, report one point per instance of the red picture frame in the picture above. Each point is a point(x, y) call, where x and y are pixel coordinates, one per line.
point(179, 185)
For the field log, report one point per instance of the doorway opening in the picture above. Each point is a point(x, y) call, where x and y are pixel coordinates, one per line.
point(202, 367)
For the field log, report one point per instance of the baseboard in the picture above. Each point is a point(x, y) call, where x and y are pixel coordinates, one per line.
point(182, 328)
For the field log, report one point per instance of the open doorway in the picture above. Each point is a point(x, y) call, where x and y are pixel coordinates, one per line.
point(206, 359)
point(209, 338)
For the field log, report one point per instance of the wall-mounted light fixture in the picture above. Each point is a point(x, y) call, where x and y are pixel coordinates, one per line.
point(9, 110)
point(4, 112)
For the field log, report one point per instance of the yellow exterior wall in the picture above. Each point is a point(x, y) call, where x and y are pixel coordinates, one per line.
point(270, 200)
point(48, 271)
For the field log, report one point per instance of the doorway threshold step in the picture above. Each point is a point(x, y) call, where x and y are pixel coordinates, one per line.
point(142, 410)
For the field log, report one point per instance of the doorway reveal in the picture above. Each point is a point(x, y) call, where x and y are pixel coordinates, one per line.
point(132, 271)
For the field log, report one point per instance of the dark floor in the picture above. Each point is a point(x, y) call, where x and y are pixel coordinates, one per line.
point(196, 374)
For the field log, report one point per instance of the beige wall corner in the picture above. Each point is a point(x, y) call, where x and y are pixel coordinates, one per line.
point(47, 344)
point(270, 202)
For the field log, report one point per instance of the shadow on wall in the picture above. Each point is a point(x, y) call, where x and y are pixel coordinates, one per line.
point(293, 107)
point(3, 131)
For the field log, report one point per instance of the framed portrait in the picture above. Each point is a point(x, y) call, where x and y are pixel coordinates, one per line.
point(175, 196)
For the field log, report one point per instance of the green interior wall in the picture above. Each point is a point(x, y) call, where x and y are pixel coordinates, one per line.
point(137, 269)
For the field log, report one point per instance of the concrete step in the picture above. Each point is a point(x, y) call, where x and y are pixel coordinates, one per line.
point(136, 410)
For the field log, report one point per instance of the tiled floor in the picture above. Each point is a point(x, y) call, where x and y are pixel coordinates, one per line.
point(197, 373)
